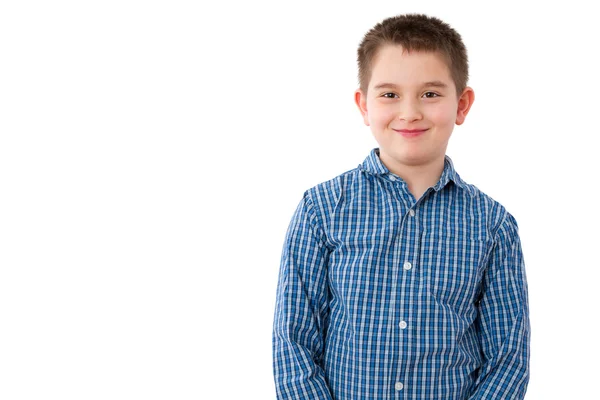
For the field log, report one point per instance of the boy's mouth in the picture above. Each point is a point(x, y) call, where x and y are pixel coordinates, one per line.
point(410, 132)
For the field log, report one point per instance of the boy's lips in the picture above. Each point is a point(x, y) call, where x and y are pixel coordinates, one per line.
point(410, 132)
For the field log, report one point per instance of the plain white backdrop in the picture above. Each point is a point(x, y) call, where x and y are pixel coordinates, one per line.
point(152, 154)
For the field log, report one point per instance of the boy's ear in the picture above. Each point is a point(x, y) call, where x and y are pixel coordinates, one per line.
point(361, 101)
point(465, 101)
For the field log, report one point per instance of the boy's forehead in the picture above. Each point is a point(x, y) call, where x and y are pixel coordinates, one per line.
point(395, 66)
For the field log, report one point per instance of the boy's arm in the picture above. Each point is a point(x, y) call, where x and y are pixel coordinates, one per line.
point(504, 320)
point(301, 311)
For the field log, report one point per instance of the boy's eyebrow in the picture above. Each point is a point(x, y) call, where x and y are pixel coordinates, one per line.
point(439, 84)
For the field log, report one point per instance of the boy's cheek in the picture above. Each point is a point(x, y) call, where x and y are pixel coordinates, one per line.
point(379, 118)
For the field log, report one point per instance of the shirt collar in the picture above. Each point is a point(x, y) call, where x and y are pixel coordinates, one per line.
point(373, 165)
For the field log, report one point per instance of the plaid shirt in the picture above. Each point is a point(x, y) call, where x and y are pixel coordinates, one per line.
point(384, 297)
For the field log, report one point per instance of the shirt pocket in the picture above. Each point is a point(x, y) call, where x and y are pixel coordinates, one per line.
point(451, 268)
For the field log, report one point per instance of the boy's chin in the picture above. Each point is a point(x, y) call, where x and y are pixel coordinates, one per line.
point(408, 157)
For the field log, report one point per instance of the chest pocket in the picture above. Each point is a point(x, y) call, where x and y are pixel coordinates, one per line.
point(451, 268)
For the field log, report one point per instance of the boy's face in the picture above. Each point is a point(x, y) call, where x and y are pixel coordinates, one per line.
point(412, 91)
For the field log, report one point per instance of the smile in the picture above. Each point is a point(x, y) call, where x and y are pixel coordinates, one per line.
point(409, 133)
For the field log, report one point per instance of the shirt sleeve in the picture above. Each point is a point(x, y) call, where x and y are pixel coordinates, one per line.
point(301, 310)
point(503, 320)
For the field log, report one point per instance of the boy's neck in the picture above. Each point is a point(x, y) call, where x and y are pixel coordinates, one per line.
point(418, 177)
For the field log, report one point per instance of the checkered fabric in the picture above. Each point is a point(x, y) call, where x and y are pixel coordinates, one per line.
point(381, 296)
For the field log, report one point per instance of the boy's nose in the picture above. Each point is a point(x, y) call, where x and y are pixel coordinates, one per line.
point(409, 111)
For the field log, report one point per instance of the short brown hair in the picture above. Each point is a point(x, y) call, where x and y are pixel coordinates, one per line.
point(417, 32)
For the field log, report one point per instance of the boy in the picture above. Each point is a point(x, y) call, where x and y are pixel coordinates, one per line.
point(398, 279)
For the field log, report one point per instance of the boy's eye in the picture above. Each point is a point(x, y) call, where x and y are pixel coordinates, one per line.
point(429, 95)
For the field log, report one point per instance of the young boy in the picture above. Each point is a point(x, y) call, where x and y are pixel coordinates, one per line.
point(398, 279)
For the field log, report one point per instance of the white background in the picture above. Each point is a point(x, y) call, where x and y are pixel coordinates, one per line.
point(152, 154)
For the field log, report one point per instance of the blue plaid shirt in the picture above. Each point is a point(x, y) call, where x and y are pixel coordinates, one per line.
point(381, 296)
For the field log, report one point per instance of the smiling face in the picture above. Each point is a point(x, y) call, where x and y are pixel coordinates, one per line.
point(412, 92)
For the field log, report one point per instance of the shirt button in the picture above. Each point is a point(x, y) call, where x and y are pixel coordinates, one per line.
point(411, 212)
point(403, 324)
point(392, 178)
point(407, 266)
point(398, 385)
